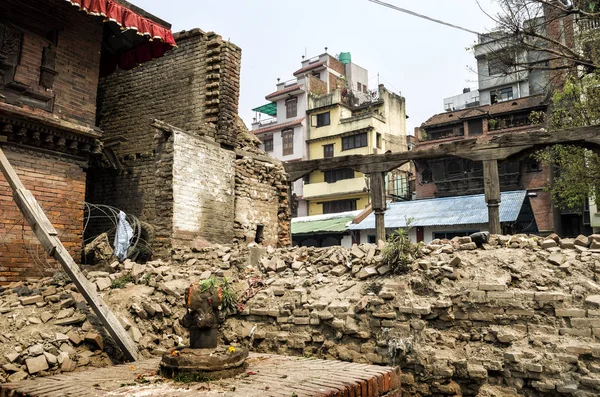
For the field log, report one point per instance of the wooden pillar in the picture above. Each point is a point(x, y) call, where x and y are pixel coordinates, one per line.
point(378, 203)
point(491, 183)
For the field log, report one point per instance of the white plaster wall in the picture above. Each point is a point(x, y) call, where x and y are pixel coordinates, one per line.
point(364, 235)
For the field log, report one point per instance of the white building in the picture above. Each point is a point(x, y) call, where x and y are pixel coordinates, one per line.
point(281, 124)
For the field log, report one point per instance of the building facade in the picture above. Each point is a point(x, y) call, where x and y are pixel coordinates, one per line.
point(328, 111)
point(52, 56)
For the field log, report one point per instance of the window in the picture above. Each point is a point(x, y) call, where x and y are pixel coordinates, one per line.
point(287, 138)
point(475, 127)
point(496, 66)
point(323, 119)
point(454, 168)
point(378, 139)
point(291, 107)
point(426, 176)
point(371, 239)
point(268, 144)
point(354, 141)
point(501, 95)
point(331, 207)
point(359, 86)
point(532, 166)
point(333, 176)
point(328, 150)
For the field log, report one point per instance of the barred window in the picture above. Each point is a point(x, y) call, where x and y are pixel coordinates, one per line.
point(287, 138)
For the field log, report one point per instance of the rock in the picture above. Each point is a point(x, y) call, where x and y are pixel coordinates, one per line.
point(34, 320)
point(61, 357)
point(556, 259)
point(454, 261)
point(593, 300)
point(595, 244)
point(50, 358)
point(68, 365)
point(148, 308)
point(11, 357)
point(136, 334)
point(366, 273)
point(67, 349)
point(36, 364)
point(548, 243)
point(17, 376)
point(357, 252)
point(36, 350)
point(31, 300)
point(103, 283)
point(468, 246)
point(137, 269)
point(168, 290)
point(99, 251)
point(64, 313)
point(567, 243)
point(280, 265)
point(11, 368)
point(581, 241)
point(74, 337)
point(46, 316)
point(95, 338)
point(339, 270)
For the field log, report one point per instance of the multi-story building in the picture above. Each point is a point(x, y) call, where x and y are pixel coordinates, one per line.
point(326, 111)
point(468, 99)
point(344, 122)
point(452, 176)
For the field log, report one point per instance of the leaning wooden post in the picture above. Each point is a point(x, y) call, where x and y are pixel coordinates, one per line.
point(48, 237)
point(491, 183)
point(378, 203)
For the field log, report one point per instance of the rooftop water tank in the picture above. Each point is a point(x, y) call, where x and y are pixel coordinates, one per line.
point(345, 57)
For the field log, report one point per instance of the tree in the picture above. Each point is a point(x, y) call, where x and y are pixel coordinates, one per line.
point(546, 35)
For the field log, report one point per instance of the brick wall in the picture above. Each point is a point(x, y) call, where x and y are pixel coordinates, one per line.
point(78, 47)
point(59, 187)
point(337, 65)
point(316, 86)
point(423, 190)
point(541, 204)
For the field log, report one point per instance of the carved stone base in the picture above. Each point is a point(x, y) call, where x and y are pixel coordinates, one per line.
point(203, 364)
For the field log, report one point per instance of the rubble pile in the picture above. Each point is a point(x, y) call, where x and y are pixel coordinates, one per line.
point(518, 315)
point(519, 312)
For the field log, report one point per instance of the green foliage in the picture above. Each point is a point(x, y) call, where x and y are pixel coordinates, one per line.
point(229, 296)
point(578, 177)
point(121, 281)
point(492, 124)
point(399, 252)
point(577, 103)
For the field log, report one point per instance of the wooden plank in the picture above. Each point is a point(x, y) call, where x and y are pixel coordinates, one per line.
point(47, 235)
point(377, 187)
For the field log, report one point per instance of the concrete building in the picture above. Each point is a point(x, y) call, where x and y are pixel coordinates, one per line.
point(469, 98)
point(499, 82)
point(343, 123)
point(328, 110)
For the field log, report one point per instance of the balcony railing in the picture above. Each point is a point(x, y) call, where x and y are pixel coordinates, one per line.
point(264, 123)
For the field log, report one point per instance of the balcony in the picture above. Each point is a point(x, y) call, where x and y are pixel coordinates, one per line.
point(264, 123)
point(324, 189)
point(361, 122)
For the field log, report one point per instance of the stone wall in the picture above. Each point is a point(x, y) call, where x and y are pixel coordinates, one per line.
point(521, 314)
point(58, 184)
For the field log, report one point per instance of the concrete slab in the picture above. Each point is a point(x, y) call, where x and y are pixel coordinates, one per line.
point(266, 375)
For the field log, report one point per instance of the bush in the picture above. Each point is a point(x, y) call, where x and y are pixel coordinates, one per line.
point(399, 252)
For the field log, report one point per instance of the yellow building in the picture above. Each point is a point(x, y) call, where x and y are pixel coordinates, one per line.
point(346, 122)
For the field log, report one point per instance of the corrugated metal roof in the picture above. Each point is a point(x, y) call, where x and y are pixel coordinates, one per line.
point(458, 210)
point(326, 223)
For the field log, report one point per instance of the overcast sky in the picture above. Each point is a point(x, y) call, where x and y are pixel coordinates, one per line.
point(424, 61)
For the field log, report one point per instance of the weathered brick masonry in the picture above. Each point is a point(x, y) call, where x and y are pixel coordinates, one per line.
point(49, 130)
point(181, 173)
point(59, 187)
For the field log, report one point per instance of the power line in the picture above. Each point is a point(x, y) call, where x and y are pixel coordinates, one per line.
point(404, 10)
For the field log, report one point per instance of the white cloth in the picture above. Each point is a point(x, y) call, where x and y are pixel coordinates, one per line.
point(123, 237)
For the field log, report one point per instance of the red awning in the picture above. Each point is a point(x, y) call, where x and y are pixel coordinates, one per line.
point(160, 38)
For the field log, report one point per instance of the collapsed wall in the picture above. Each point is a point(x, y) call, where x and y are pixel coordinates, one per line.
point(518, 316)
point(179, 158)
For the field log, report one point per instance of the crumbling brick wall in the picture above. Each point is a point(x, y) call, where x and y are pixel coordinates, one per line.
point(181, 174)
point(59, 187)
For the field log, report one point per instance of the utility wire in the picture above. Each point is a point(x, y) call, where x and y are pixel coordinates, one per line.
point(404, 10)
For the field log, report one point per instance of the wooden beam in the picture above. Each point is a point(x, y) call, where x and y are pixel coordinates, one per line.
point(497, 147)
point(491, 184)
point(48, 237)
point(377, 187)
